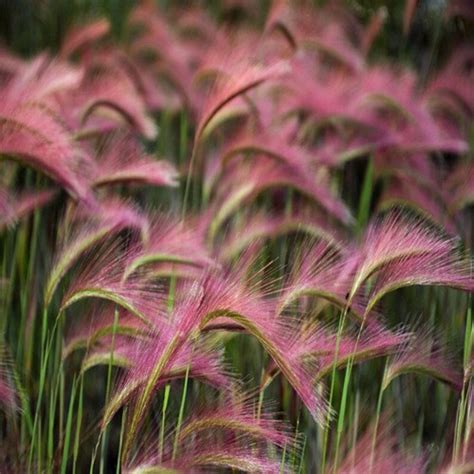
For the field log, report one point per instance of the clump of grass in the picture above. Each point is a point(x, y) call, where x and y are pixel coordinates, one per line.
point(240, 248)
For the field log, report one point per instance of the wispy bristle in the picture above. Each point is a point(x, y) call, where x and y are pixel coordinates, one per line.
point(423, 353)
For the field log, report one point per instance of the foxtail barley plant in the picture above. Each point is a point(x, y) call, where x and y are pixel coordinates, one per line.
point(236, 236)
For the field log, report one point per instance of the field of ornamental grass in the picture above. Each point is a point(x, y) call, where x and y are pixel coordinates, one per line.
point(236, 236)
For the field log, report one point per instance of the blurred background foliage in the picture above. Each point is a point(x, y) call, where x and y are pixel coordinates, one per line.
point(30, 26)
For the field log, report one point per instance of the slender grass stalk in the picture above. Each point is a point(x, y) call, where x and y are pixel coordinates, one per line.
point(355, 428)
point(39, 458)
point(181, 412)
point(62, 400)
point(283, 460)
point(187, 185)
point(468, 425)
point(51, 423)
point(340, 329)
point(68, 431)
point(94, 453)
point(377, 419)
point(107, 392)
point(463, 404)
point(122, 431)
point(365, 197)
point(362, 218)
point(345, 390)
point(341, 416)
point(36, 435)
point(163, 420)
point(77, 434)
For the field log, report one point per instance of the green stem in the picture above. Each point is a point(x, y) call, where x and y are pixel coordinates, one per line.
point(181, 412)
point(340, 328)
point(163, 420)
point(377, 419)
